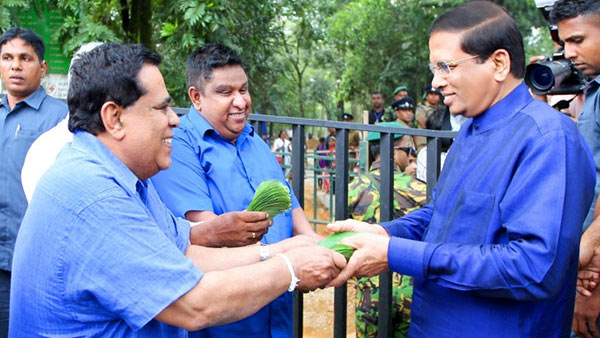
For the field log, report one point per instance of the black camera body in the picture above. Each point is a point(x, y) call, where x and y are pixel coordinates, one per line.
point(554, 76)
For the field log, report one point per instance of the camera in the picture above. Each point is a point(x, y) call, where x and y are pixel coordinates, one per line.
point(555, 75)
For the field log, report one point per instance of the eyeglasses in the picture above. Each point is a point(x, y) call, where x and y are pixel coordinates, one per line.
point(408, 150)
point(445, 68)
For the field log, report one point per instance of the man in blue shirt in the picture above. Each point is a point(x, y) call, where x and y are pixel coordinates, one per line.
point(495, 251)
point(579, 27)
point(99, 254)
point(25, 113)
point(218, 163)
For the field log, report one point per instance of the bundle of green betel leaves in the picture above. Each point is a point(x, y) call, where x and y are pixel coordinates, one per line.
point(272, 197)
point(333, 242)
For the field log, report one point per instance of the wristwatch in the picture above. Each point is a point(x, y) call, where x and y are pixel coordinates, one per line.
point(264, 251)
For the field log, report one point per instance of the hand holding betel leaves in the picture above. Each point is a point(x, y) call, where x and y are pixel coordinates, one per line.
point(333, 242)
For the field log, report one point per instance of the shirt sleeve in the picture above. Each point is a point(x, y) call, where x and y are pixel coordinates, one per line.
point(182, 187)
point(125, 262)
point(540, 212)
point(411, 226)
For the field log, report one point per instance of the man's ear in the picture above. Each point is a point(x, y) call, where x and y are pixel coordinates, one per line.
point(111, 114)
point(501, 61)
point(44, 66)
point(195, 97)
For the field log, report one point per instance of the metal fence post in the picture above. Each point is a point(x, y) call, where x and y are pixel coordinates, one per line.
point(341, 212)
point(298, 187)
point(386, 190)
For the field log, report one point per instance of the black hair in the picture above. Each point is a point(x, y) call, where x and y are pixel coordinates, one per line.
point(26, 35)
point(564, 9)
point(375, 149)
point(487, 27)
point(200, 64)
point(106, 73)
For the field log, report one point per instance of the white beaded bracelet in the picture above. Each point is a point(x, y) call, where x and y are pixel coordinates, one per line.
point(295, 280)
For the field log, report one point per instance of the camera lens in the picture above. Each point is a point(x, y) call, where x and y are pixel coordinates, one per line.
point(541, 78)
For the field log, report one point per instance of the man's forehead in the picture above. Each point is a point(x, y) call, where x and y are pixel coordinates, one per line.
point(227, 74)
point(17, 45)
point(444, 44)
point(577, 26)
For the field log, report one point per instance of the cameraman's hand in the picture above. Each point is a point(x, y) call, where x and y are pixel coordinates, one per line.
point(586, 314)
point(315, 266)
point(232, 229)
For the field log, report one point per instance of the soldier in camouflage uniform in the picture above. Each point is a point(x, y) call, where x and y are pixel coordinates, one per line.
point(363, 204)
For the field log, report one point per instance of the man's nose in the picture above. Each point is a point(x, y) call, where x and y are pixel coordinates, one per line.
point(239, 100)
point(570, 52)
point(15, 64)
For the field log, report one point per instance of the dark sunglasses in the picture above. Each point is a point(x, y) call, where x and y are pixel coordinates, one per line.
point(408, 150)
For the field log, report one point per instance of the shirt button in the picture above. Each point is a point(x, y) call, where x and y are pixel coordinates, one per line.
point(476, 126)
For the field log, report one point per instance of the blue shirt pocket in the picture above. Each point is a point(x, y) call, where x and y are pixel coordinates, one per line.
point(19, 145)
point(468, 220)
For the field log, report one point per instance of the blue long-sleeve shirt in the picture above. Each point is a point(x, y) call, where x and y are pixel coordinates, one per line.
point(495, 252)
point(19, 127)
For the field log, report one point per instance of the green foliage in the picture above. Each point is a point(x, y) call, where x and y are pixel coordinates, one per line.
point(384, 45)
point(8, 11)
point(303, 57)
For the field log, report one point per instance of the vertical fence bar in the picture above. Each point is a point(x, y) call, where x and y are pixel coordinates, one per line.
point(386, 189)
point(341, 212)
point(433, 164)
point(298, 186)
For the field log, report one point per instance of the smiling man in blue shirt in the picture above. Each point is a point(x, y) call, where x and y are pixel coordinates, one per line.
point(495, 251)
point(25, 113)
point(218, 163)
point(99, 254)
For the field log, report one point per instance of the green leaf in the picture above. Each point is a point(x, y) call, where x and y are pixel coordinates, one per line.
point(271, 197)
point(333, 242)
point(168, 29)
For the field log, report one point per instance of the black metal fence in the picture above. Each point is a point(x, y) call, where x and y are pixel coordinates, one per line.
point(341, 196)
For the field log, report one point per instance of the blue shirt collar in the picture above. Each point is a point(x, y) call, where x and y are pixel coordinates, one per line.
point(595, 83)
point(503, 110)
point(90, 144)
point(204, 127)
point(34, 100)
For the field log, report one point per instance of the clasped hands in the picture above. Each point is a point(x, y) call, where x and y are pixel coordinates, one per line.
point(318, 267)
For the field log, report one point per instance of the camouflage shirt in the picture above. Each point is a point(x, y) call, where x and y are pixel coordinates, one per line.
point(363, 195)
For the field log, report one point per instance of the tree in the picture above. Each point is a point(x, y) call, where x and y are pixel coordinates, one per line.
point(304, 58)
point(8, 12)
